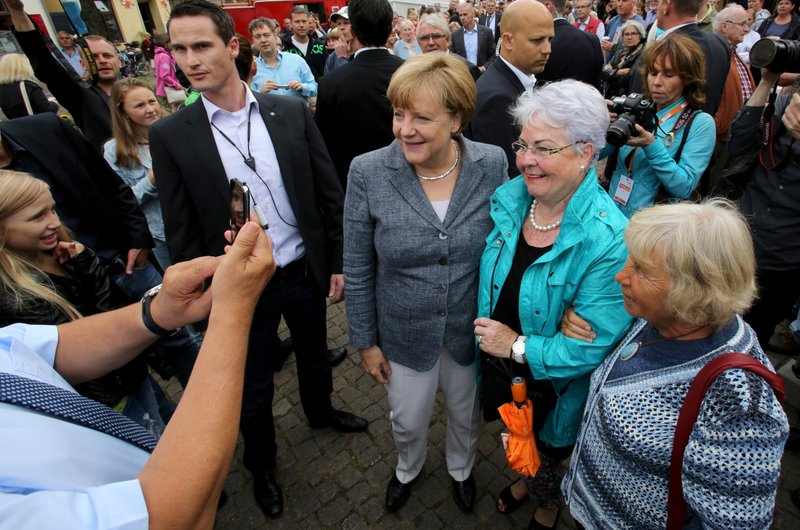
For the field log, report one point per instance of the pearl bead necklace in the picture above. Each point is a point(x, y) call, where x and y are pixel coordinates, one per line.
point(452, 168)
point(540, 228)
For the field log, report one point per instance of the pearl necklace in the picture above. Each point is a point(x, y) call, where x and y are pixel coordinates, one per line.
point(540, 228)
point(452, 168)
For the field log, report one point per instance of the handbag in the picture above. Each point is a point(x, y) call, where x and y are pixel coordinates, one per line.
point(25, 98)
point(676, 504)
point(175, 95)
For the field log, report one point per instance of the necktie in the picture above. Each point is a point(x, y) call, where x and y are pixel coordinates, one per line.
point(74, 408)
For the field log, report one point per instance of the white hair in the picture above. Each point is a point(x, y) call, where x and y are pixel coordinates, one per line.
point(436, 21)
point(577, 108)
point(724, 15)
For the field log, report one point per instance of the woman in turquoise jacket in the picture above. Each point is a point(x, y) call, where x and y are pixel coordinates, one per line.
point(556, 243)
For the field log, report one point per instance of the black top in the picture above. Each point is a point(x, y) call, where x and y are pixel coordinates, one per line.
point(13, 106)
point(507, 308)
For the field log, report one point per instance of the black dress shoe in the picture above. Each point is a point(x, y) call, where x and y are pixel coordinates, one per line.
point(284, 351)
point(336, 356)
point(464, 494)
point(269, 496)
point(341, 421)
point(397, 494)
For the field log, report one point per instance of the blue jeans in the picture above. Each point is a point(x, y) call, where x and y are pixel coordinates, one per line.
point(142, 407)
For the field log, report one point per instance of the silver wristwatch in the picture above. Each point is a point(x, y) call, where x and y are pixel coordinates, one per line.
point(518, 349)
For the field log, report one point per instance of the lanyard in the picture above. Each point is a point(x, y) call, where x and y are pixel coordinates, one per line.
point(669, 139)
point(249, 160)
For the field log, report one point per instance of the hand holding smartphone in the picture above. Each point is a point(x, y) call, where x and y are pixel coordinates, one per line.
point(241, 201)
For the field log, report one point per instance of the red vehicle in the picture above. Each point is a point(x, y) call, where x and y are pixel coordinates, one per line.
point(243, 12)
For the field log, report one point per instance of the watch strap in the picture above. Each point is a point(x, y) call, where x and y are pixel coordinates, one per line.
point(148, 321)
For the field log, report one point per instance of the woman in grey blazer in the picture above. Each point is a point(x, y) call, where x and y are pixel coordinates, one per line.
point(416, 216)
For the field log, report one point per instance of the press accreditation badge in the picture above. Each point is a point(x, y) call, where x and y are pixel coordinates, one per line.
point(624, 188)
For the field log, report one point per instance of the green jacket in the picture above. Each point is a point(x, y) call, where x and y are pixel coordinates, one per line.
point(579, 270)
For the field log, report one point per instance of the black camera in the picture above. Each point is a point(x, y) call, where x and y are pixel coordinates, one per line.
point(630, 110)
point(777, 56)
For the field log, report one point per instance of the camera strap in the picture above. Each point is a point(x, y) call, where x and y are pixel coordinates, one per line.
point(766, 151)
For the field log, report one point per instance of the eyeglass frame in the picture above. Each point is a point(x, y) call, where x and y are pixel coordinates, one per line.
point(538, 150)
point(743, 25)
point(431, 36)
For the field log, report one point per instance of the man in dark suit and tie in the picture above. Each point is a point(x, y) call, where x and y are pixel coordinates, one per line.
point(576, 54)
point(353, 113)
point(272, 144)
point(472, 41)
point(491, 18)
point(524, 51)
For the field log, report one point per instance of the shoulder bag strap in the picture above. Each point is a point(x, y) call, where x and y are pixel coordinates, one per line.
point(676, 504)
point(25, 98)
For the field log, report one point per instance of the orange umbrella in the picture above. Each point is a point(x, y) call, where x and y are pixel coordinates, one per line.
point(521, 453)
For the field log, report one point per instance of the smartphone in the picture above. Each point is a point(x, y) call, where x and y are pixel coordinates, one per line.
point(240, 206)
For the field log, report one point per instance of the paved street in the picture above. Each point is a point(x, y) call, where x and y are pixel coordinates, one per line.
point(333, 480)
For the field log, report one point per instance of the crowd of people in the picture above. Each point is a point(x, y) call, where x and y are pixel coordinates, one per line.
point(594, 198)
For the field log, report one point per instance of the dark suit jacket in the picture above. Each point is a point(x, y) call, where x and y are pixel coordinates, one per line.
point(575, 55)
point(498, 87)
point(195, 194)
point(96, 204)
point(485, 44)
point(497, 16)
point(353, 113)
point(87, 104)
point(718, 61)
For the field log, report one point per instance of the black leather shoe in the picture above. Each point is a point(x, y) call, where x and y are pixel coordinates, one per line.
point(269, 496)
point(284, 351)
point(341, 421)
point(464, 494)
point(336, 356)
point(397, 494)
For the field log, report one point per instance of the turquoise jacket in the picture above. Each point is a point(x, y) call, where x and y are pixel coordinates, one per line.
point(578, 270)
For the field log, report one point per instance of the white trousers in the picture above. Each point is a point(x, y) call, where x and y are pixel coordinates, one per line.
point(411, 398)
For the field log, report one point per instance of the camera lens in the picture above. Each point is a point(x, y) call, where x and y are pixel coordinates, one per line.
point(621, 130)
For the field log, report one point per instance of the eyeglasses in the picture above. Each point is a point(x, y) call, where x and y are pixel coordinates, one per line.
point(743, 25)
point(520, 147)
point(431, 36)
point(634, 34)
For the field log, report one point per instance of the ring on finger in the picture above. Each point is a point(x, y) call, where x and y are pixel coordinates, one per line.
point(480, 338)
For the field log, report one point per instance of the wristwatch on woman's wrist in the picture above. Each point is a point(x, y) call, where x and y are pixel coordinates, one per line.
point(518, 349)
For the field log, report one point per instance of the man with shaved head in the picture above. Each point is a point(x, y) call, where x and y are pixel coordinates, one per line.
point(527, 33)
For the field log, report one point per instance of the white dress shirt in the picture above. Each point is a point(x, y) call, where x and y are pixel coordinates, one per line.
point(266, 183)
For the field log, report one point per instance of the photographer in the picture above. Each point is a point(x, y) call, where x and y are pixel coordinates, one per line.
point(69, 462)
point(771, 201)
point(665, 154)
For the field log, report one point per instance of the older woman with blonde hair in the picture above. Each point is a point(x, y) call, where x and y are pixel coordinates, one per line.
point(407, 46)
point(415, 218)
point(688, 278)
point(20, 95)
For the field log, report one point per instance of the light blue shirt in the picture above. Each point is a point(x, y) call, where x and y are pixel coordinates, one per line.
point(290, 67)
point(266, 186)
point(55, 474)
point(146, 194)
point(471, 44)
point(74, 60)
point(654, 165)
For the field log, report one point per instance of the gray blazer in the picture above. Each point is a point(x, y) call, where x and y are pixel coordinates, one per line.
point(411, 281)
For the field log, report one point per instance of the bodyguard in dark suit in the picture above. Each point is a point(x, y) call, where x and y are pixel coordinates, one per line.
point(524, 51)
point(485, 39)
point(491, 18)
point(575, 53)
point(272, 144)
point(353, 113)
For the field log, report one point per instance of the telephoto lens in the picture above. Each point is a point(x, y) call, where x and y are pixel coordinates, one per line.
point(777, 56)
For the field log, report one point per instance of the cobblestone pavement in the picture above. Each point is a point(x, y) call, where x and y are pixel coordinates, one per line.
point(333, 480)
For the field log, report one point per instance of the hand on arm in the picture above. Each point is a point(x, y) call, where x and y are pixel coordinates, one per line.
point(574, 327)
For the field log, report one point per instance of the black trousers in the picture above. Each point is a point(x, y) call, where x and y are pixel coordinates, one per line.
point(293, 293)
point(777, 293)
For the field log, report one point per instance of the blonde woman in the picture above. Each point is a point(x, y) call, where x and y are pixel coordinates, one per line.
point(20, 95)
